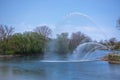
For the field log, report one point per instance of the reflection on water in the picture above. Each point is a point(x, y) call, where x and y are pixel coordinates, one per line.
point(114, 69)
point(22, 69)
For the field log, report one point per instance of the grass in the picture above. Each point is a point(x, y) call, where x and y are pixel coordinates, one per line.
point(114, 57)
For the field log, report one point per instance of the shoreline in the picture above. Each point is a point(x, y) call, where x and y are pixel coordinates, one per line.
point(9, 56)
point(114, 62)
point(14, 56)
point(105, 58)
point(110, 60)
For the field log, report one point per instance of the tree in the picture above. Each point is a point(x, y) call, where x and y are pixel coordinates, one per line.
point(62, 43)
point(76, 39)
point(27, 43)
point(118, 23)
point(111, 44)
point(43, 30)
point(23, 43)
point(5, 32)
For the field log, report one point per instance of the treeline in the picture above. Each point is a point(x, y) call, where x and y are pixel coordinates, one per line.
point(66, 44)
point(23, 43)
point(112, 44)
point(36, 41)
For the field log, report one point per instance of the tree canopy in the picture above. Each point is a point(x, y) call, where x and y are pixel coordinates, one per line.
point(23, 43)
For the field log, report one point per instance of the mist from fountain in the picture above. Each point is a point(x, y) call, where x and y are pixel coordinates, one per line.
point(77, 21)
point(84, 50)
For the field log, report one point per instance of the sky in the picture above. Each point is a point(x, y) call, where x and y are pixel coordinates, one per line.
point(63, 16)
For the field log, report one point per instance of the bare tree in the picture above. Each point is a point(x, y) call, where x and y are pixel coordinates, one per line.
point(43, 30)
point(118, 23)
point(76, 39)
point(5, 32)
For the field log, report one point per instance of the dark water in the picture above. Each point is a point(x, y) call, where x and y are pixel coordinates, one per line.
point(27, 69)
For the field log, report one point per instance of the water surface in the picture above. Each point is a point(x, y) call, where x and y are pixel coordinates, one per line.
point(35, 69)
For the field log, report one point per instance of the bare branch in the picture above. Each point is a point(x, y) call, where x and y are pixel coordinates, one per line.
point(5, 31)
point(43, 30)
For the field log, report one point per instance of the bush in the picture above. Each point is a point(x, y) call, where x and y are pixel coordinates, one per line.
point(114, 57)
point(9, 52)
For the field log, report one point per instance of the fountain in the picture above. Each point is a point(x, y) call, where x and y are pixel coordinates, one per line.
point(85, 50)
point(76, 21)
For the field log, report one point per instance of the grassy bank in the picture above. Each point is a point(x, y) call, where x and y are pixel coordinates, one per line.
point(113, 57)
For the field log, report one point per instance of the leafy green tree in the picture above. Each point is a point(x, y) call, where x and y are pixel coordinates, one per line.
point(23, 44)
point(16, 42)
point(62, 43)
point(28, 43)
point(5, 34)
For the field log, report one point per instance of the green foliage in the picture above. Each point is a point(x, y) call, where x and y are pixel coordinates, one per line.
point(114, 57)
point(67, 45)
point(23, 44)
point(28, 43)
point(62, 43)
point(112, 44)
point(9, 52)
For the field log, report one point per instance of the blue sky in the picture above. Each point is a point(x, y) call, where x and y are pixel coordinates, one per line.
point(25, 15)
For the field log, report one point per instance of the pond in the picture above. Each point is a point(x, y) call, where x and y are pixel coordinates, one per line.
point(35, 69)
